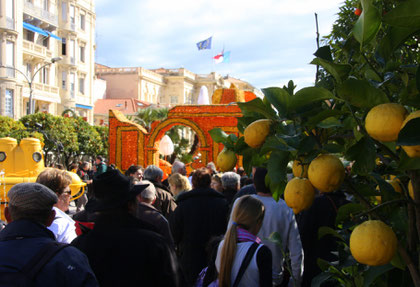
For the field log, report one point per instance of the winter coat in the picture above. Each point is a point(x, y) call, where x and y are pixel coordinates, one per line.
point(164, 203)
point(20, 240)
point(200, 215)
point(123, 253)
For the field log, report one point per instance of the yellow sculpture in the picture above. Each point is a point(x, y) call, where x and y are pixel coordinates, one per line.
point(22, 163)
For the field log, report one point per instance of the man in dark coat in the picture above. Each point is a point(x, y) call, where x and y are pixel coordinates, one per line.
point(121, 249)
point(29, 213)
point(201, 214)
point(164, 203)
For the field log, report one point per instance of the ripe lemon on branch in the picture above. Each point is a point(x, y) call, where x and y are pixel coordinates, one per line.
point(256, 132)
point(326, 173)
point(226, 160)
point(373, 243)
point(300, 169)
point(383, 122)
point(299, 194)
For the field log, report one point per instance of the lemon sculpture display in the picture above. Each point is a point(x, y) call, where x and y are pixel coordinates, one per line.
point(299, 194)
point(383, 122)
point(226, 160)
point(373, 243)
point(299, 169)
point(412, 151)
point(256, 132)
point(326, 173)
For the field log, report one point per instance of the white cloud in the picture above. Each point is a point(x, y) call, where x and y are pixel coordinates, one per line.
point(267, 38)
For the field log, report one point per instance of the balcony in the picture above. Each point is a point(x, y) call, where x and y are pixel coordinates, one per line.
point(45, 88)
point(40, 13)
point(36, 50)
point(6, 72)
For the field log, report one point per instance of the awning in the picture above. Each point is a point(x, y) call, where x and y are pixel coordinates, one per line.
point(40, 31)
point(83, 107)
point(35, 29)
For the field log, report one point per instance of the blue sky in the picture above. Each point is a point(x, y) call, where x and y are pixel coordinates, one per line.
point(271, 41)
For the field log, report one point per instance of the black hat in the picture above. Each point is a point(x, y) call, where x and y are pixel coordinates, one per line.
point(113, 189)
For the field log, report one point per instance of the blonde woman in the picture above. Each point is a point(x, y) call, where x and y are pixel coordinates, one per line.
point(242, 260)
point(178, 184)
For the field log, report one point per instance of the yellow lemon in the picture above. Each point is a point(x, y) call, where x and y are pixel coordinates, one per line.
point(299, 169)
point(256, 132)
point(299, 194)
point(396, 185)
point(226, 160)
point(326, 173)
point(414, 150)
point(411, 189)
point(373, 243)
point(384, 121)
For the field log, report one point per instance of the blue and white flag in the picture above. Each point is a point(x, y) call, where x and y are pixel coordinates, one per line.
point(206, 44)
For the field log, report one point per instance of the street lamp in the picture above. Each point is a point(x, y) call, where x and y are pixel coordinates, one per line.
point(30, 81)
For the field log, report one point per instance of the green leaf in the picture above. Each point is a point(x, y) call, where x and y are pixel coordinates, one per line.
point(324, 53)
point(259, 107)
point(364, 155)
point(407, 14)
point(306, 145)
point(322, 116)
point(320, 278)
point(410, 134)
point(333, 148)
point(279, 98)
point(307, 96)
point(325, 230)
point(418, 78)
point(408, 163)
point(374, 272)
point(339, 71)
point(368, 23)
point(395, 37)
point(347, 211)
point(361, 94)
point(275, 237)
point(323, 264)
point(277, 166)
point(273, 143)
point(330, 122)
point(218, 135)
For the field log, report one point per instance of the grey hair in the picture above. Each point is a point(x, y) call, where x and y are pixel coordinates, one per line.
point(152, 172)
point(149, 192)
point(211, 166)
point(230, 180)
point(177, 166)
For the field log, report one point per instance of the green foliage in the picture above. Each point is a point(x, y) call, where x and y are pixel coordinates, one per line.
point(12, 128)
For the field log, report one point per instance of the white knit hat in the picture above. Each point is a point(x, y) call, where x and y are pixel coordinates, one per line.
point(32, 196)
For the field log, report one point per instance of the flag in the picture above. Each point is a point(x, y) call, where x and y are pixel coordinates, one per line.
point(223, 57)
point(206, 44)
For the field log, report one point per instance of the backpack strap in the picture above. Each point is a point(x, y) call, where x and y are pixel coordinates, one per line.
point(250, 253)
point(42, 257)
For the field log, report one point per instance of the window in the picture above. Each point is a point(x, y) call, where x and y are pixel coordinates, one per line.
point(10, 9)
point(63, 80)
point(82, 21)
point(64, 11)
point(82, 54)
point(10, 54)
point(28, 35)
point(46, 42)
point(72, 14)
point(174, 99)
point(8, 107)
point(72, 85)
point(28, 69)
point(71, 51)
point(45, 75)
point(63, 47)
point(82, 85)
point(46, 5)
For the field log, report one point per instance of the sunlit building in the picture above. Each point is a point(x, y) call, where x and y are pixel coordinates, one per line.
point(47, 50)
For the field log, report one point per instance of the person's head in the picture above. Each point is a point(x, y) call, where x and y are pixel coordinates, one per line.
point(231, 180)
point(178, 183)
point(248, 214)
point(179, 167)
point(59, 182)
point(135, 171)
point(59, 166)
point(148, 195)
point(153, 173)
point(85, 166)
point(74, 166)
point(211, 167)
point(31, 201)
point(241, 171)
point(216, 183)
point(99, 159)
point(201, 178)
point(259, 180)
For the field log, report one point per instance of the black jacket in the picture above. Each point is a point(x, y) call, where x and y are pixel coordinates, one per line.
point(122, 253)
point(164, 203)
point(200, 215)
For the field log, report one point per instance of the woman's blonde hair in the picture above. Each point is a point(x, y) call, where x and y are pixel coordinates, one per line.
point(248, 213)
point(180, 182)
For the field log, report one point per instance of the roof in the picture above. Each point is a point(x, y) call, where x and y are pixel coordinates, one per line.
point(126, 106)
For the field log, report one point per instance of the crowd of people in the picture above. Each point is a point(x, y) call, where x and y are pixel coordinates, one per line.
point(200, 229)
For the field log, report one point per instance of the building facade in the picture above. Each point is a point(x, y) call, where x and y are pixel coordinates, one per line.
point(166, 87)
point(47, 50)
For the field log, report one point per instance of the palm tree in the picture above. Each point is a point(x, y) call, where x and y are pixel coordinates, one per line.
point(147, 116)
